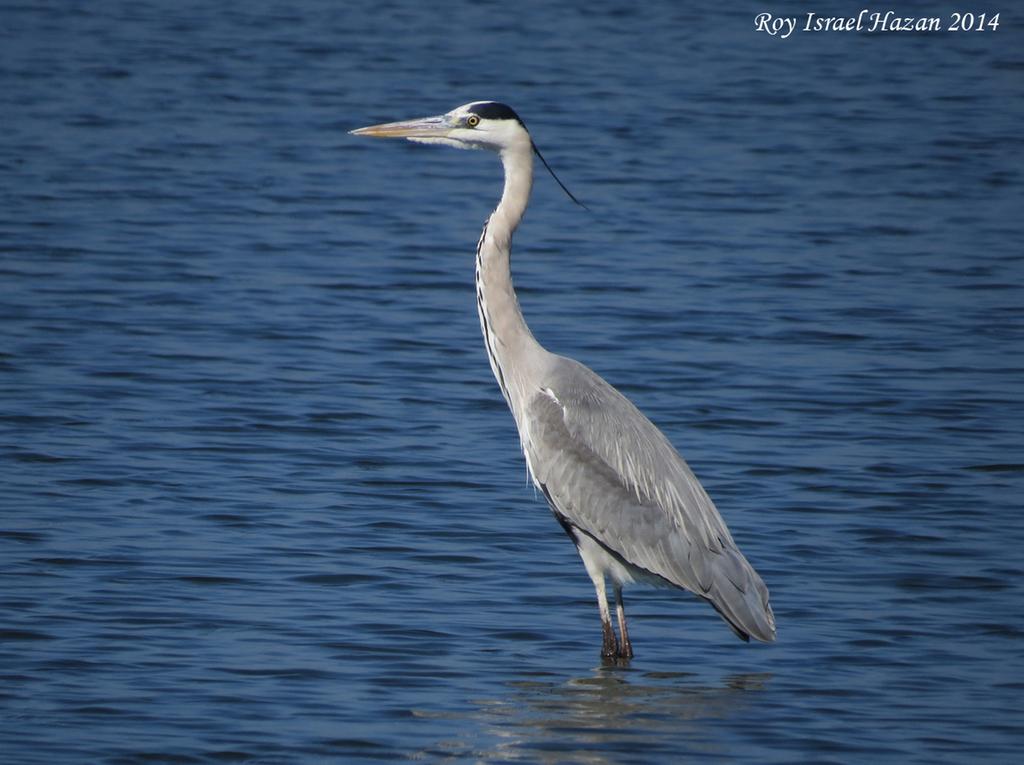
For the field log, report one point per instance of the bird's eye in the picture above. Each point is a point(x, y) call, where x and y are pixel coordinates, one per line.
point(472, 121)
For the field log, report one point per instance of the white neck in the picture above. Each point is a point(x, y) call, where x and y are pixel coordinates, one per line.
point(511, 347)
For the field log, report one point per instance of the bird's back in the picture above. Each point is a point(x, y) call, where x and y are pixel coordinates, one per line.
point(610, 473)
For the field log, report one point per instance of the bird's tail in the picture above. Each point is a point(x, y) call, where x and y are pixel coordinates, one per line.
point(741, 598)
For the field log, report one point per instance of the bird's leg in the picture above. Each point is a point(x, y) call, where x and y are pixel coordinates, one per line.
point(609, 645)
point(625, 647)
point(589, 552)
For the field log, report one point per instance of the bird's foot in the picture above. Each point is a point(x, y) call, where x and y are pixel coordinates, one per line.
point(614, 660)
point(609, 645)
point(614, 651)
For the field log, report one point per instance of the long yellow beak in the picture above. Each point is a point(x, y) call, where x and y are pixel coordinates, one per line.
point(428, 127)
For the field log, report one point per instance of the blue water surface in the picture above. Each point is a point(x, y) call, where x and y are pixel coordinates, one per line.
point(262, 500)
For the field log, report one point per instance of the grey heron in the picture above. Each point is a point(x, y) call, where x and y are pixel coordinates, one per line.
point(619, 489)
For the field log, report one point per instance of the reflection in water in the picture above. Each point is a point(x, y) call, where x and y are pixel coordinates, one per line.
point(606, 716)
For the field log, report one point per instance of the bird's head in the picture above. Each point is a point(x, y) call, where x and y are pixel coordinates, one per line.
point(477, 125)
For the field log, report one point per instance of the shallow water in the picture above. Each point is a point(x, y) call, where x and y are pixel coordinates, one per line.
point(263, 501)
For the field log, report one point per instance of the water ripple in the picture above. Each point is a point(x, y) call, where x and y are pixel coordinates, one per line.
point(263, 501)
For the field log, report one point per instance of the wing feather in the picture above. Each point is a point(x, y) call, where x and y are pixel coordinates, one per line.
point(612, 474)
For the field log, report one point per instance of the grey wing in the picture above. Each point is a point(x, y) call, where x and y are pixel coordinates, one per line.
point(610, 473)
